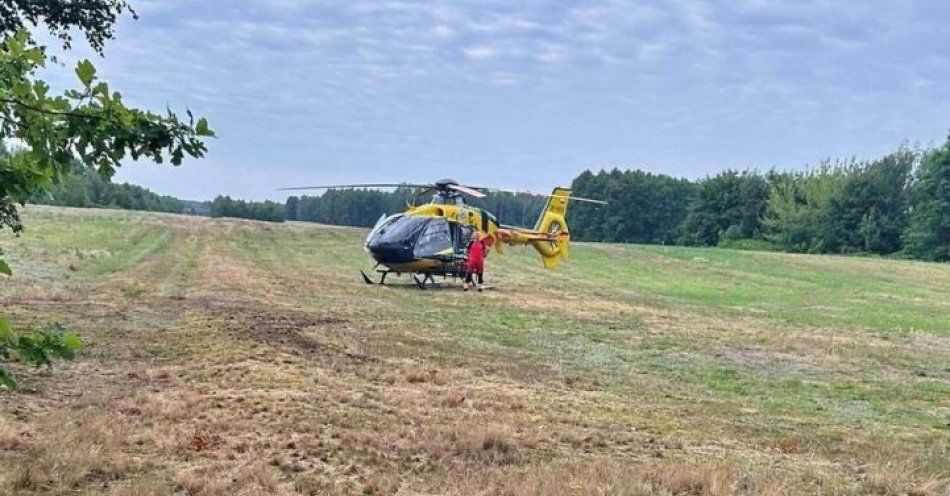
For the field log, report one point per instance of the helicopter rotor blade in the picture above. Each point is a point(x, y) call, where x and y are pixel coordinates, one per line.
point(535, 193)
point(368, 185)
point(467, 190)
point(582, 199)
point(474, 191)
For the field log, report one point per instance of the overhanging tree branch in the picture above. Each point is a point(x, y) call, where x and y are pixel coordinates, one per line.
point(49, 112)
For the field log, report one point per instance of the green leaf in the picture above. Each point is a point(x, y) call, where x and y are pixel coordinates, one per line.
point(86, 72)
point(103, 137)
point(31, 351)
point(6, 381)
point(72, 341)
point(6, 330)
point(101, 89)
point(202, 129)
point(5, 269)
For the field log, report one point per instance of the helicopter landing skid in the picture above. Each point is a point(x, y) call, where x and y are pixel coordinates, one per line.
point(423, 280)
point(426, 282)
point(382, 277)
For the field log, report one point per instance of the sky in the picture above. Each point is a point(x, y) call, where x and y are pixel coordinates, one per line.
point(525, 94)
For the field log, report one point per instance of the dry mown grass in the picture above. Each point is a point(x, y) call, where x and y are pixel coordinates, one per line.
point(224, 373)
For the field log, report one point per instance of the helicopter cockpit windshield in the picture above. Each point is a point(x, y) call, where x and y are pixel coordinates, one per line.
point(399, 229)
point(383, 221)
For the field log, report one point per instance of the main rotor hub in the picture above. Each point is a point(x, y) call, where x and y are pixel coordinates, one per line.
point(443, 184)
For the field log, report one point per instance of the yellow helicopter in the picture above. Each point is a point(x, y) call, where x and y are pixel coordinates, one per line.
point(430, 240)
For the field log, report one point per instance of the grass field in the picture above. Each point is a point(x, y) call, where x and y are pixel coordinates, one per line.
point(234, 357)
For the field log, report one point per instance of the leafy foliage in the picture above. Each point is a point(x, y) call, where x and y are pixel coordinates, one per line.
point(797, 203)
point(90, 123)
point(225, 206)
point(291, 207)
point(928, 233)
point(748, 244)
point(843, 208)
point(729, 205)
point(94, 18)
point(8, 215)
point(870, 211)
point(35, 347)
point(352, 207)
point(84, 187)
point(643, 207)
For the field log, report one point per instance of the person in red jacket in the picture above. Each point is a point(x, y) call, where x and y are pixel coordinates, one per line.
point(475, 263)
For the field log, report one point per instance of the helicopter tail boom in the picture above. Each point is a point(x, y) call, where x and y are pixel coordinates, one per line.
point(550, 236)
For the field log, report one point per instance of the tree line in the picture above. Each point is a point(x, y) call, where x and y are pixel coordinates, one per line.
point(85, 187)
point(347, 207)
point(362, 208)
point(225, 206)
point(898, 204)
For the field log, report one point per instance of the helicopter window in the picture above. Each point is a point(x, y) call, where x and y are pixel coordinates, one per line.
point(463, 233)
point(434, 239)
point(400, 230)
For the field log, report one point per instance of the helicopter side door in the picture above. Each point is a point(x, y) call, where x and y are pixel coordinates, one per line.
point(461, 234)
point(435, 240)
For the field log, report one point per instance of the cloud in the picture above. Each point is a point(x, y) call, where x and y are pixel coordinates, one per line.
point(502, 79)
point(480, 52)
point(391, 87)
point(442, 31)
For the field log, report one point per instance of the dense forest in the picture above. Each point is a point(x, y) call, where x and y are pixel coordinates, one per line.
point(225, 206)
point(85, 187)
point(898, 204)
point(642, 207)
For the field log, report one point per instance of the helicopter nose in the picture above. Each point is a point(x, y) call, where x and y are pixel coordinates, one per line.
point(390, 252)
